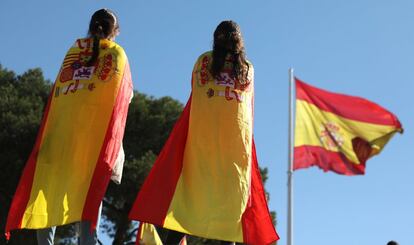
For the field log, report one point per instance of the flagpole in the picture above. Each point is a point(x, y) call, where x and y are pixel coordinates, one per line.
point(290, 161)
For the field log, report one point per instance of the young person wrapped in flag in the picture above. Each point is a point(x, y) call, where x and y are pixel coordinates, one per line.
point(80, 136)
point(339, 132)
point(206, 181)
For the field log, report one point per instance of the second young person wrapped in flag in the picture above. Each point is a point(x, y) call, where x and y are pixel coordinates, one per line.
point(206, 181)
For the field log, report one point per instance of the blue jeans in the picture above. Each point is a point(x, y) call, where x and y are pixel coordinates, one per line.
point(86, 237)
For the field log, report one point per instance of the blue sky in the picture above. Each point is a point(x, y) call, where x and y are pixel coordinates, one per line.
point(362, 48)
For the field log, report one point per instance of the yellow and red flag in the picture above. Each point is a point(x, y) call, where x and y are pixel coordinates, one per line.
point(206, 181)
point(66, 175)
point(147, 235)
point(338, 132)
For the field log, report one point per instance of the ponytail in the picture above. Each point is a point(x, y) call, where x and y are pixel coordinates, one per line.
point(103, 25)
point(95, 51)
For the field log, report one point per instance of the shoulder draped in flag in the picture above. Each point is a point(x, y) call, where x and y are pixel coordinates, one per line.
point(206, 181)
point(66, 175)
point(338, 132)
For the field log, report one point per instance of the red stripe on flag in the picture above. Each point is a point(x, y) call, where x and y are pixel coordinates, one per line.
point(307, 156)
point(256, 220)
point(351, 107)
point(24, 188)
point(155, 195)
point(109, 151)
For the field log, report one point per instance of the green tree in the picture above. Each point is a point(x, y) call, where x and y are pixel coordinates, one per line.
point(22, 99)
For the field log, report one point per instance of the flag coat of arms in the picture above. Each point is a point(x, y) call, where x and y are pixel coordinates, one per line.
point(339, 132)
point(206, 181)
point(66, 175)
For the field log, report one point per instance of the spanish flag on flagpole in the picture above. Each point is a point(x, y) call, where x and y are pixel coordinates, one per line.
point(335, 132)
point(66, 175)
point(339, 132)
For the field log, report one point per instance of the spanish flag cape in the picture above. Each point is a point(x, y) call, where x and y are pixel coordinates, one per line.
point(80, 135)
point(147, 235)
point(206, 181)
point(339, 132)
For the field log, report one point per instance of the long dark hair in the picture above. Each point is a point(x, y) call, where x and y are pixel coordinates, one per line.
point(228, 43)
point(103, 25)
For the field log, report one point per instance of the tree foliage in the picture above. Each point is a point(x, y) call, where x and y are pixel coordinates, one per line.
point(22, 99)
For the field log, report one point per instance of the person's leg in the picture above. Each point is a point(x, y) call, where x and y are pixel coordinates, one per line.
point(46, 236)
point(174, 237)
point(86, 236)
